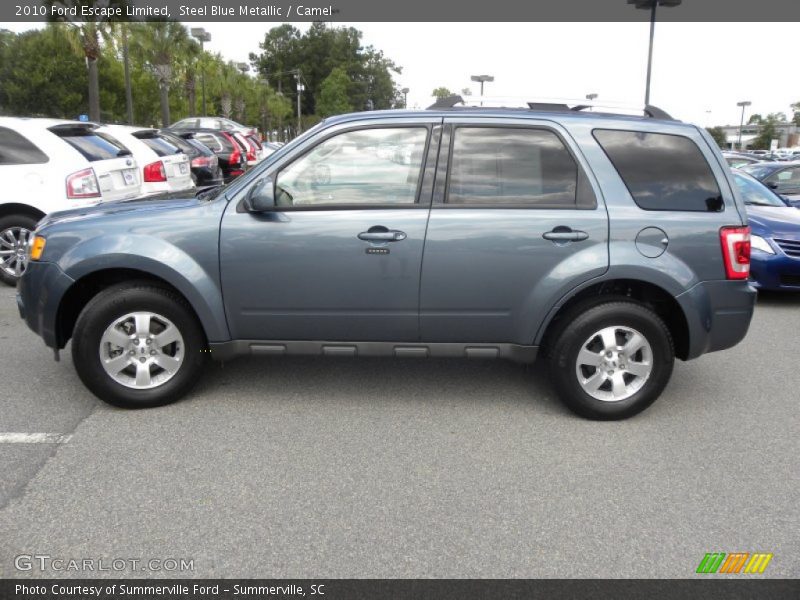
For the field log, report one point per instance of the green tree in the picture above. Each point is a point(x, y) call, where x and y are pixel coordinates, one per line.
point(796, 113)
point(718, 133)
point(41, 76)
point(333, 98)
point(768, 130)
point(315, 54)
point(441, 92)
point(755, 119)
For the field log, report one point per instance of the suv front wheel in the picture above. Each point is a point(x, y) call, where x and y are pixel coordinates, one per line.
point(612, 360)
point(138, 346)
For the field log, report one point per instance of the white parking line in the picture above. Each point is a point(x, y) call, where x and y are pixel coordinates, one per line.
point(34, 438)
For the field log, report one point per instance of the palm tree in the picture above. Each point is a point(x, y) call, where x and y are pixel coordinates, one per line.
point(120, 34)
point(188, 61)
point(86, 38)
point(226, 83)
point(158, 43)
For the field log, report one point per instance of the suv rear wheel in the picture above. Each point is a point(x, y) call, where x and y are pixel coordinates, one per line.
point(138, 346)
point(612, 360)
point(15, 230)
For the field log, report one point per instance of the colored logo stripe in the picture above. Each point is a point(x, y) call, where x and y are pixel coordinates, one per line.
point(711, 562)
point(734, 562)
point(721, 562)
point(758, 563)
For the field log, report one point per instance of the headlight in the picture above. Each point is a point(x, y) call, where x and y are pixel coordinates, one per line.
point(36, 247)
point(759, 243)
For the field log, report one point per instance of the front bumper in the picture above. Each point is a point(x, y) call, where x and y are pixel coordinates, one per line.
point(718, 314)
point(774, 271)
point(39, 294)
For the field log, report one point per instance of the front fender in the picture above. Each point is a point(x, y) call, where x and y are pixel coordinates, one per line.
point(197, 280)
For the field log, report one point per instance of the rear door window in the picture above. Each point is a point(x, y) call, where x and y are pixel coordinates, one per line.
point(662, 171)
point(515, 167)
point(93, 145)
point(15, 149)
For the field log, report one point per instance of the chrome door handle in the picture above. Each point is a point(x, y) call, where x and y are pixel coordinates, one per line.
point(565, 234)
point(382, 236)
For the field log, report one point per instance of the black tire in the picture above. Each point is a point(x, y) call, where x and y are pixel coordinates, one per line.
point(10, 222)
point(115, 302)
point(576, 328)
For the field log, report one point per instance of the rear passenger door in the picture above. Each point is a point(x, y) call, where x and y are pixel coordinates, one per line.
point(516, 221)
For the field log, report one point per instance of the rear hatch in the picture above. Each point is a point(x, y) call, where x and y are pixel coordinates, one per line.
point(115, 169)
point(176, 162)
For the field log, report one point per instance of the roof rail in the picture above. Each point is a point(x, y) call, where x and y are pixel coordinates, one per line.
point(649, 110)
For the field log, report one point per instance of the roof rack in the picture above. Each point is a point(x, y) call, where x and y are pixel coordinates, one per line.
point(650, 111)
point(447, 102)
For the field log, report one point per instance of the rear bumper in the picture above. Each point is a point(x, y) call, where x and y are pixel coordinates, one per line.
point(39, 293)
point(718, 314)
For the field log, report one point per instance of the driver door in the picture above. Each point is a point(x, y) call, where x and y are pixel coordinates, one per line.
point(339, 257)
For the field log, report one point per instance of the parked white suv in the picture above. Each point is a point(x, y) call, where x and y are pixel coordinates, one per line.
point(164, 168)
point(48, 165)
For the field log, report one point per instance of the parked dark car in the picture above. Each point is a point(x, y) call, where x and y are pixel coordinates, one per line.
point(475, 233)
point(775, 237)
point(206, 171)
point(232, 160)
point(783, 177)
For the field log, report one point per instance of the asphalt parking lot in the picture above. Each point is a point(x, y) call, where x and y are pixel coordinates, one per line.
point(322, 467)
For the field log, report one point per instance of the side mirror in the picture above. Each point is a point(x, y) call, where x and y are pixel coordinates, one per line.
point(260, 197)
point(772, 185)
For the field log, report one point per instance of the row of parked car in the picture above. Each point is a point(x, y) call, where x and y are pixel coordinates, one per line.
point(770, 185)
point(50, 165)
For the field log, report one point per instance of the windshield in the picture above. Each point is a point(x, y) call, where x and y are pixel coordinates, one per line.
point(756, 193)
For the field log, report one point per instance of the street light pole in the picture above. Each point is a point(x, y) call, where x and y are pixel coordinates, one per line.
point(482, 79)
point(652, 5)
point(300, 88)
point(743, 104)
point(202, 36)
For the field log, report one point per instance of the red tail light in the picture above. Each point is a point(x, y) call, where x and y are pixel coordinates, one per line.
point(736, 251)
point(83, 184)
point(236, 155)
point(155, 172)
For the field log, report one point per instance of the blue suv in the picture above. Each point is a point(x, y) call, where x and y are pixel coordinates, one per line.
point(608, 244)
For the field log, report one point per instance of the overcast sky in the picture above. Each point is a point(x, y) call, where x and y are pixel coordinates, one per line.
point(700, 70)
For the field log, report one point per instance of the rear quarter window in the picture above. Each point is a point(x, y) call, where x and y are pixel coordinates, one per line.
point(212, 142)
point(15, 149)
point(160, 145)
point(662, 171)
